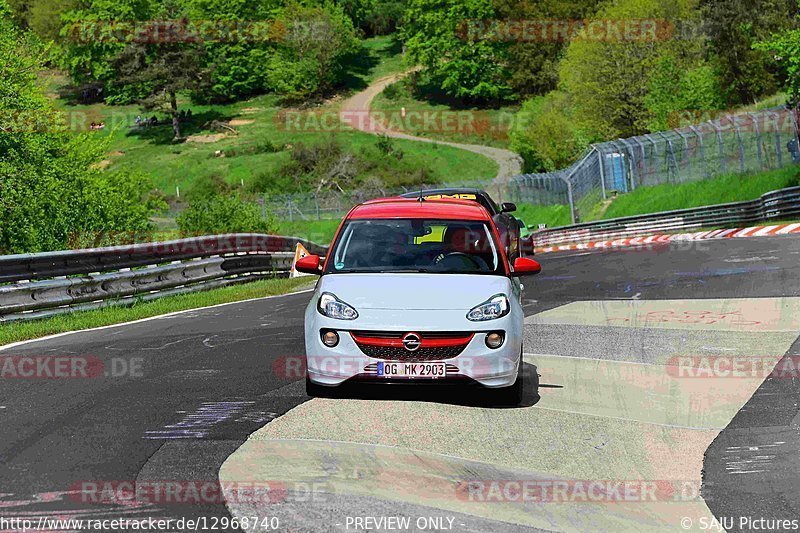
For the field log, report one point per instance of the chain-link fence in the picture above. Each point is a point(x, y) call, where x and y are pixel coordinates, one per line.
point(335, 203)
point(740, 143)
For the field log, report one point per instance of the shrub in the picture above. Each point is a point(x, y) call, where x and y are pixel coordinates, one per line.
point(223, 214)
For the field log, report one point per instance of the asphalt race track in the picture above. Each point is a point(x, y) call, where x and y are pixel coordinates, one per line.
point(627, 358)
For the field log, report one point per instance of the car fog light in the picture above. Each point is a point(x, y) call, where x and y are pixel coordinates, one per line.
point(330, 339)
point(494, 340)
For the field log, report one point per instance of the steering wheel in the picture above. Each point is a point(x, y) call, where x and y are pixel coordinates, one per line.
point(457, 254)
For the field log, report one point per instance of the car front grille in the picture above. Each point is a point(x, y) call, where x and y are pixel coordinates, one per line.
point(434, 346)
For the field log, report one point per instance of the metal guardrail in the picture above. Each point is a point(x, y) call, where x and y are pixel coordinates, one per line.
point(49, 283)
point(776, 205)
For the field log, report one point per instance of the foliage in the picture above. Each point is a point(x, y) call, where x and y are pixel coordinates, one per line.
point(162, 70)
point(313, 51)
point(217, 214)
point(733, 26)
point(786, 49)
point(50, 186)
point(533, 62)
point(385, 145)
point(545, 134)
point(296, 49)
point(92, 41)
point(672, 90)
point(609, 79)
point(42, 17)
point(463, 67)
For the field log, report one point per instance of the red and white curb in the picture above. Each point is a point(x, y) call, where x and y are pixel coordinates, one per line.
point(753, 231)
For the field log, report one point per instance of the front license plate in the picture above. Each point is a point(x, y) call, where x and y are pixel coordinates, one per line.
point(412, 370)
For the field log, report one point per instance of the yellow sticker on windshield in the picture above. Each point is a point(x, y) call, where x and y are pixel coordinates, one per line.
point(436, 235)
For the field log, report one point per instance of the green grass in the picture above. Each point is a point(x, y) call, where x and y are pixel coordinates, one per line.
point(386, 55)
point(552, 215)
point(318, 231)
point(20, 331)
point(645, 200)
point(179, 166)
point(471, 125)
point(724, 189)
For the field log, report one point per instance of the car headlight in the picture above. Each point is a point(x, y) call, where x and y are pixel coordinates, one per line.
point(495, 307)
point(332, 307)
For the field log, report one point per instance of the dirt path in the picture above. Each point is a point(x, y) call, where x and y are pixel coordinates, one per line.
point(355, 112)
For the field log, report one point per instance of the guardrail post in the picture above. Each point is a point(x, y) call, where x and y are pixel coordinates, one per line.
point(721, 145)
point(793, 115)
point(758, 141)
point(644, 159)
point(686, 152)
point(778, 152)
point(630, 163)
point(571, 202)
point(602, 171)
point(568, 179)
point(699, 134)
point(655, 153)
point(672, 153)
point(741, 146)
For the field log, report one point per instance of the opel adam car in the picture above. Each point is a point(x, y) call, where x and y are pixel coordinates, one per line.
point(416, 291)
point(508, 226)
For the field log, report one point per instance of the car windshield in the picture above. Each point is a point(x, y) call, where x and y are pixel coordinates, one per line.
point(414, 245)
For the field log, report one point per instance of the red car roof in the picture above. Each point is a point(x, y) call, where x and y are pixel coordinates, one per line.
point(444, 209)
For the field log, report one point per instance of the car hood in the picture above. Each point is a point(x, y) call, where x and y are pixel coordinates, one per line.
point(414, 291)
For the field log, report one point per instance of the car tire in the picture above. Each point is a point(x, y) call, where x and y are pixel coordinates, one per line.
point(512, 396)
point(318, 391)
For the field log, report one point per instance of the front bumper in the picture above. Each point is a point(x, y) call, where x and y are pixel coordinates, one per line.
point(488, 367)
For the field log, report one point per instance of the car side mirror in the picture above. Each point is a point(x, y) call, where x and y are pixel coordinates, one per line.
point(308, 265)
point(524, 266)
point(508, 207)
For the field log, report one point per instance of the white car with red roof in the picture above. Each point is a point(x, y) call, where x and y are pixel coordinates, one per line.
point(416, 290)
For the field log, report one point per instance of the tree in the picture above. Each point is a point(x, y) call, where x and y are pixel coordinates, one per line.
point(609, 79)
point(42, 17)
point(164, 72)
point(94, 35)
point(733, 26)
point(545, 133)
point(533, 60)
point(674, 89)
point(50, 186)
point(313, 50)
point(374, 17)
point(785, 49)
point(439, 36)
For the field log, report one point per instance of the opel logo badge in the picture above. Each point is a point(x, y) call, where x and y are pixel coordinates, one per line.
point(412, 342)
